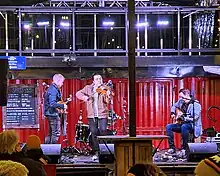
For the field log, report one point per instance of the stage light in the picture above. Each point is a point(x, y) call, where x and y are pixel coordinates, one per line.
point(108, 23)
point(162, 23)
point(142, 24)
point(27, 26)
point(43, 23)
point(64, 24)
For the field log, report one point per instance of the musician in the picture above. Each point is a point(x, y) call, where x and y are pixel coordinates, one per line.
point(185, 123)
point(97, 109)
point(51, 105)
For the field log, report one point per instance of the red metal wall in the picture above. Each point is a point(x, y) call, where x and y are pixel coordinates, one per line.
point(154, 99)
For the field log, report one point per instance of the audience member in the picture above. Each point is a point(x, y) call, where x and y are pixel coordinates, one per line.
point(11, 168)
point(148, 169)
point(10, 149)
point(209, 166)
point(34, 150)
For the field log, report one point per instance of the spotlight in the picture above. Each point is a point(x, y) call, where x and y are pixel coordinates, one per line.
point(142, 24)
point(108, 23)
point(69, 59)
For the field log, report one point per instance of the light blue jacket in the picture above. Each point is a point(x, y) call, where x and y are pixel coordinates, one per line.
point(189, 117)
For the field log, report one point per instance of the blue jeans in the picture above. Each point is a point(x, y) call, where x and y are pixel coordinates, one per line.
point(97, 127)
point(184, 129)
point(53, 130)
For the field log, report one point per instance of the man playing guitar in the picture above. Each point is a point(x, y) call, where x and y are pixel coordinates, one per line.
point(52, 107)
point(187, 120)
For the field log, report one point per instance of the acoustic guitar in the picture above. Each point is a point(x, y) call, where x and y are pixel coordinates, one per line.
point(179, 116)
point(63, 111)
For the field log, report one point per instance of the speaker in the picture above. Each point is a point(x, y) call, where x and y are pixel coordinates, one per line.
point(3, 81)
point(199, 151)
point(106, 155)
point(53, 151)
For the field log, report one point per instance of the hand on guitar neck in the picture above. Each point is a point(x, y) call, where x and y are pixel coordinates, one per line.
point(65, 103)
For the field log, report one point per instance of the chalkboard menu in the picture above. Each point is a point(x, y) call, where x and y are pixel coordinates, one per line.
point(21, 110)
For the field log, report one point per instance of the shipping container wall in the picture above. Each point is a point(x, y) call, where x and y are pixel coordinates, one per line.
point(154, 99)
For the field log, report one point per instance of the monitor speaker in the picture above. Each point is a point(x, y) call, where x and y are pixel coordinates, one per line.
point(3, 81)
point(53, 151)
point(198, 151)
point(106, 155)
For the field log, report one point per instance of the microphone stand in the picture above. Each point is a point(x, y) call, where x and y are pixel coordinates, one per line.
point(45, 87)
point(193, 116)
point(124, 117)
point(193, 139)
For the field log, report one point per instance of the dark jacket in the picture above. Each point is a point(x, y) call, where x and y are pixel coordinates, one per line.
point(35, 168)
point(36, 154)
point(51, 97)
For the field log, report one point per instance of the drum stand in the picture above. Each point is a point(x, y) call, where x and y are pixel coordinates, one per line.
point(83, 144)
point(69, 149)
point(84, 147)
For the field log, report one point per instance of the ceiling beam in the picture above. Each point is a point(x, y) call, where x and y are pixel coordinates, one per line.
point(121, 61)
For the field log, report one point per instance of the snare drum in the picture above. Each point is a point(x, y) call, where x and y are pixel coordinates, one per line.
point(82, 132)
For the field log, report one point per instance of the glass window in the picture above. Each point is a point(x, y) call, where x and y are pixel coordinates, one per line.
point(111, 31)
point(2, 33)
point(13, 32)
point(84, 31)
point(63, 33)
point(36, 31)
point(158, 27)
point(27, 31)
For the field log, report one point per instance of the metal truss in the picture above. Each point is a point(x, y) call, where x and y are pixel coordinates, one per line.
point(41, 8)
point(122, 61)
point(102, 6)
point(103, 3)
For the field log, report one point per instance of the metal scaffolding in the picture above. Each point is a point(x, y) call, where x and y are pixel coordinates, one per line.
point(144, 9)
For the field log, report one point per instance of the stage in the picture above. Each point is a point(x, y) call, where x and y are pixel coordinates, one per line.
point(85, 165)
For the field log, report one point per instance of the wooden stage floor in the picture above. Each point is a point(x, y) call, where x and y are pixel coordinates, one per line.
point(86, 165)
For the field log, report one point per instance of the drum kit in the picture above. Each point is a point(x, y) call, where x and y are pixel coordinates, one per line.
point(82, 133)
point(82, 136)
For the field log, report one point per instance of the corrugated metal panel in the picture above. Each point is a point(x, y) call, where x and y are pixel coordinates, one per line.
point(154, 99)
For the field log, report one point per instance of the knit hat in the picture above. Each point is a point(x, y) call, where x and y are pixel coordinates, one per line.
point(11, 168)
point(33, 142)
point(209, 166)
